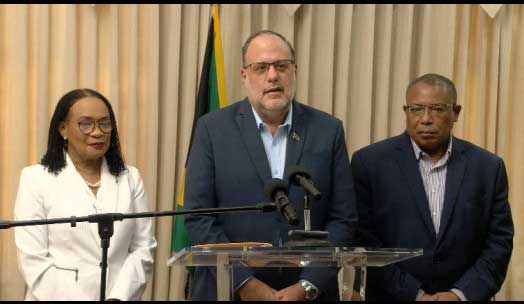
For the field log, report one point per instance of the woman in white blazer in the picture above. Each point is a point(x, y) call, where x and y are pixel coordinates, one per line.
point(82, 173)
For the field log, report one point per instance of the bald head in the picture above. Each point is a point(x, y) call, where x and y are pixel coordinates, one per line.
point(260, 33)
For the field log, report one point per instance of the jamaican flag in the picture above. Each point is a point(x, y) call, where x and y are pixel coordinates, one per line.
point(211, 96)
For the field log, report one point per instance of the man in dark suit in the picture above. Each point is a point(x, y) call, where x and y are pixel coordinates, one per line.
point(428, 189)
point(236, 150)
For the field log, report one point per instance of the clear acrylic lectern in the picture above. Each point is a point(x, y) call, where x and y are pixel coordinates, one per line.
point(225, 258)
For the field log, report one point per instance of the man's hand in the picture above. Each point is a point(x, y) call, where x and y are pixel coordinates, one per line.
point(427, 297)
point(294, 292)
point(256, 290)
point(446, 296)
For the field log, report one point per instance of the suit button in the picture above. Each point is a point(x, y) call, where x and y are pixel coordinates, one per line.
point(437, 259)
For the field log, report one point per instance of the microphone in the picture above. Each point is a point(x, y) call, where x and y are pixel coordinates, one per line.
point(276, 190)
point(5, 224)
point(298, 176)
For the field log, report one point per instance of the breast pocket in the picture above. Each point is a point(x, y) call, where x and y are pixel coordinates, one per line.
point(315, 161)
point(476, 210)
point(60, 235)
point(477, 202)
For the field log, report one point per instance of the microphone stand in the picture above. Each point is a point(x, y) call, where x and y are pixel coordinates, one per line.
point(105, 226)
point(308, 237)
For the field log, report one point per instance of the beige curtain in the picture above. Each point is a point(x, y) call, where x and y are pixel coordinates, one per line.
point(354, 61)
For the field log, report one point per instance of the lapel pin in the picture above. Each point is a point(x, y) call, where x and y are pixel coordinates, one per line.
point(295, 136)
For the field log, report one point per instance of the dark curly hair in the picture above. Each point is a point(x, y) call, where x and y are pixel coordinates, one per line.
point(54, 159)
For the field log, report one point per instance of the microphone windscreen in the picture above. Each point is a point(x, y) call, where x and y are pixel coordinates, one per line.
point(274, 185)
point(292, 171)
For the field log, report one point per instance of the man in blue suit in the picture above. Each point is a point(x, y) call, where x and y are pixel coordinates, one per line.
point(236, 150)
point(428, 189)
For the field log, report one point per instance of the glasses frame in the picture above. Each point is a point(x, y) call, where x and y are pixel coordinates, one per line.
point(269, 64)
point(429, 107)
point(96, 124)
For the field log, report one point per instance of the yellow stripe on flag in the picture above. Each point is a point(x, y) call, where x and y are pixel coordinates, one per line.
point(180, 200)
point(219, 59)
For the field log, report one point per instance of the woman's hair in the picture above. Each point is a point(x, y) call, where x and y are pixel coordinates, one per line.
point(54, 159)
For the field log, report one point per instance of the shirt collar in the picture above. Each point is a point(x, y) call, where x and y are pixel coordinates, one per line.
point(419, 152)
point(287, 122)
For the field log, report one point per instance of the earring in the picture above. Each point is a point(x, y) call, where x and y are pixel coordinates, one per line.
point(65, 142)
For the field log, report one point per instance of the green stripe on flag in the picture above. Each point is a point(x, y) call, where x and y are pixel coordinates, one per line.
point(180, 239)
point(213, 84)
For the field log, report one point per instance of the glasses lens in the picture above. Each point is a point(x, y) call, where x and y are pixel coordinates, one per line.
point(106, 126)
point(415, 109)
point(260, 67)
point(86, 126)
point(438, 108)
point(283, 65)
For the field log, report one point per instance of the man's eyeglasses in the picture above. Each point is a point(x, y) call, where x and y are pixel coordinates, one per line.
point(434, 109)
point(88, 126)
point(281, 66)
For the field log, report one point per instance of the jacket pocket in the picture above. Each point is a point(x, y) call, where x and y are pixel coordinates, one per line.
point(70, 271)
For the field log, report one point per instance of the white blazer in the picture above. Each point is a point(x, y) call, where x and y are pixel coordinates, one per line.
point(60, 262)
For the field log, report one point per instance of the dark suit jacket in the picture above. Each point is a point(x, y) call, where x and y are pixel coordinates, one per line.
point(475, 240)
point(228, 167)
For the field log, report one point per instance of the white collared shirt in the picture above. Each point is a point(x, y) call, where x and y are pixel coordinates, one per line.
point(434, 177)
point(275, 145)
